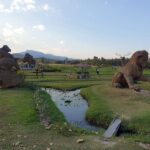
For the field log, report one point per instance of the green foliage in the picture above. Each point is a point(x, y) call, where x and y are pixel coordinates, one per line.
point(46, 107)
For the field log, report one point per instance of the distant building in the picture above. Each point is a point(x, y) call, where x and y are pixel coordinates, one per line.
point(28, 62)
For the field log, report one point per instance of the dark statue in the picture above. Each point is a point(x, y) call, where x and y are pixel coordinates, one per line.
point(8, 69)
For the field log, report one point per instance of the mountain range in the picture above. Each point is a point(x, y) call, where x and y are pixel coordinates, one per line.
point(37, 54)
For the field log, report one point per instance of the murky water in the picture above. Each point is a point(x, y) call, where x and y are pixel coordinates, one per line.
point(73, 106)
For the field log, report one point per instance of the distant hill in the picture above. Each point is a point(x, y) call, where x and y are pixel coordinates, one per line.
point(37, 54)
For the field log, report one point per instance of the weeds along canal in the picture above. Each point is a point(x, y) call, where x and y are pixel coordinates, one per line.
point(73, 106)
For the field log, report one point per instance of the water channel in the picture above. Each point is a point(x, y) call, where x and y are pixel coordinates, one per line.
point(73, 106)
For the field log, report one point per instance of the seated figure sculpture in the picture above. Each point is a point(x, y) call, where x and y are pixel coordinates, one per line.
point(132, 71)
point(8, 69)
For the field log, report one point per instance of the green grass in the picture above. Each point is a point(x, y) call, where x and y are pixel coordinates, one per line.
point(19, 106)
point(19, 123)
point(99, 112)
point(105, 102)
point(147, 71)
point(64, 85)
point(19, 120)
point(61, 80)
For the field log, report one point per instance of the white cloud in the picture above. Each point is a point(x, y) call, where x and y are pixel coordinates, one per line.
point(12, 34)
point(51, 9)
point(18, 5)
point(61, 42)
point(2, 8)
point(39, 27)
point(9, 25)
point(7, 32)
point(23, 5)
point(19, 30)
point(46, 7)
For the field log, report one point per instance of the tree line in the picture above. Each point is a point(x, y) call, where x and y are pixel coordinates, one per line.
point(109, 62)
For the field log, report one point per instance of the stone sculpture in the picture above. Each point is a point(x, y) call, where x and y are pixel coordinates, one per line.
point(132, 71)
point(8, 69)
point(29, 60)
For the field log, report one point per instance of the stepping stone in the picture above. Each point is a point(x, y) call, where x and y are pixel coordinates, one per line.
point(113, 128)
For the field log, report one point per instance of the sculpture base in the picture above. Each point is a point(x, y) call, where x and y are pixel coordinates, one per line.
point(10, 79)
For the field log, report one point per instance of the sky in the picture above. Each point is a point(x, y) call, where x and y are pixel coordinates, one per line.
point(76, 28)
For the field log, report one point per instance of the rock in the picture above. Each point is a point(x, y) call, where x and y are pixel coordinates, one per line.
point(108, 143)
point(34, 146)
point(145, 146)
point(65, 123)
point(25, 136)
point(70, 130)
point(45, 121)
point(48, 127)
point(96, 132)
point(17, 143)
point(51, 144)
point(80, 141)
point(18, 136)
point(48, 148)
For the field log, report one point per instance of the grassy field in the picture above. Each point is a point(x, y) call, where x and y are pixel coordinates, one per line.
point(107, 102)
point(20, 126)
point(66, 79)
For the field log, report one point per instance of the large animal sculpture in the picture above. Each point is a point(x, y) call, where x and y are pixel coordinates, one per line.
point(8, 69)
point(132, 71)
